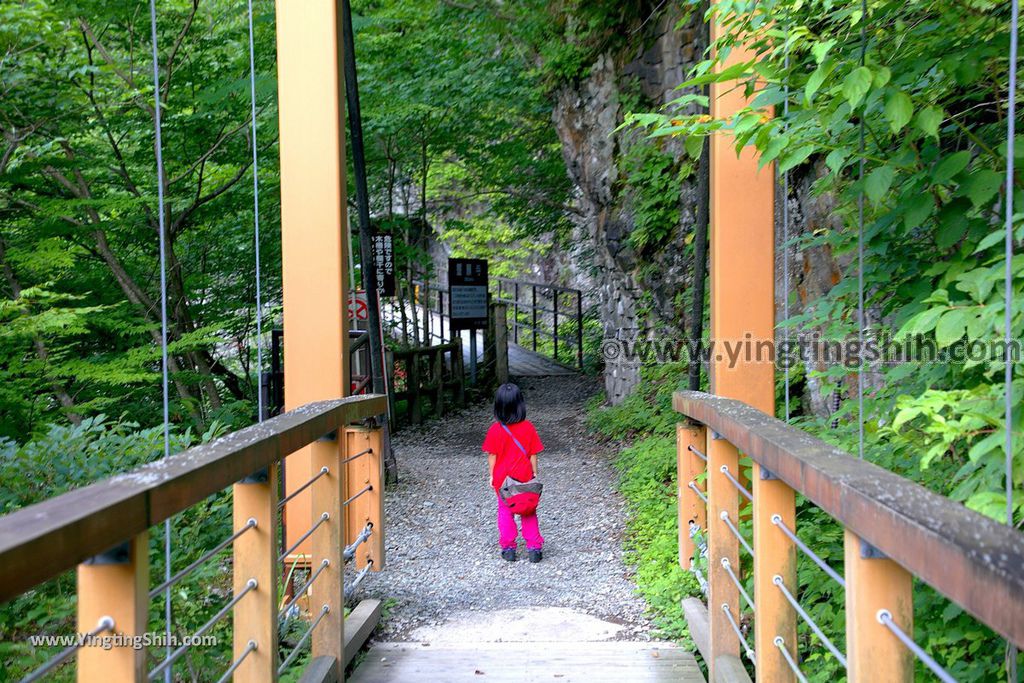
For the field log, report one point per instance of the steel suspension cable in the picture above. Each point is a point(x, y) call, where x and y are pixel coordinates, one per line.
point(250, 524)
point(249, 648)
point(724, 469)
point(785, 233)
point(749, 651)
point(256, 220)
point(1008, 285)
point(727, 566)
point(736, 532)
point(105, 623)
point(305, 636)
point(162, 222)
point(860, 245)
point(693, 485)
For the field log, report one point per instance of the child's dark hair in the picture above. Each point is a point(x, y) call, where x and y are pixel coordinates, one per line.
point(509, 404)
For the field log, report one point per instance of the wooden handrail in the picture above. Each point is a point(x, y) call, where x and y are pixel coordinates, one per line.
point(971, 559)
point(43, 540)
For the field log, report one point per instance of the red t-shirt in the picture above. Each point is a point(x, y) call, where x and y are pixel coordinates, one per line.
point(510, 460)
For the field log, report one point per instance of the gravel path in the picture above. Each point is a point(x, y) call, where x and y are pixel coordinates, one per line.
point(441, 543)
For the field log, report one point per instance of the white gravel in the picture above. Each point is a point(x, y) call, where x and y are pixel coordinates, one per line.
point(441, 538)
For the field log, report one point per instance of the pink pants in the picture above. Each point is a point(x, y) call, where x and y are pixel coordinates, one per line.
point(508, 533)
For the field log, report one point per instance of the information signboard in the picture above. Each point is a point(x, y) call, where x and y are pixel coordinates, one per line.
point(467, 293)
point(383, 254)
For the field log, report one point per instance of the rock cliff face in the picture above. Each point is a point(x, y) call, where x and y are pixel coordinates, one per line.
point(636, 292)
point(644, 292)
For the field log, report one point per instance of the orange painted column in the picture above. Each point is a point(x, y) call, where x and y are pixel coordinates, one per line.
point(313, 215)
point(742, 253)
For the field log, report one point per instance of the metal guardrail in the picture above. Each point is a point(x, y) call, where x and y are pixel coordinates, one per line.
point(542, 320)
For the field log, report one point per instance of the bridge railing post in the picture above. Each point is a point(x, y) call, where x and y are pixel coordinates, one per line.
point(437, 379)
point(113, 601)
point(579, 329)
point(774, 556)
point(500, 343)
point(554, 322)
point(515, 316)
point(362, 471)
point(459, 370)
point(327, 589)
point(255, 559)
point(533, 311)
point(875, 584)
point(723, 544)
point(691, 508)
point(413, 380)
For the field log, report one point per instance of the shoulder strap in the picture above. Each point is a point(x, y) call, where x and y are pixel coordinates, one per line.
point(512, 436)
point(522, 451)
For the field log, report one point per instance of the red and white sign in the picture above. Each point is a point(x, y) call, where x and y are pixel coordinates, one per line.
point(357, 306)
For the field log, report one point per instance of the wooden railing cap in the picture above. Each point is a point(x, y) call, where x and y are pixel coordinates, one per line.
point(45, 539)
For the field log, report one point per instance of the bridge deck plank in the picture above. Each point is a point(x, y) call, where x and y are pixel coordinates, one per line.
point(580, 662)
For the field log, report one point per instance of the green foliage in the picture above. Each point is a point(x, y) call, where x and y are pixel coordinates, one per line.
point(648, 482)
point(932, 107)
point(647, 472)
point(653, 179)
point(646, 411)
point(79, 303)
point(68, 457)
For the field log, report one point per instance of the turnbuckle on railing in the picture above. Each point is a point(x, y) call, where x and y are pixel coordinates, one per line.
point(911, 532)
point(364, 535)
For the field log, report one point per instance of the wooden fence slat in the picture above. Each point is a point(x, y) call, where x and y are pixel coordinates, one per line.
point(774, 555)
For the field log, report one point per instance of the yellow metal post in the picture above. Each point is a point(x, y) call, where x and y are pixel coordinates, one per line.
point(255, 560)
point(742, 248)
point(874, 584)
point(117, 590)
point(311, 111)
point(688, 467)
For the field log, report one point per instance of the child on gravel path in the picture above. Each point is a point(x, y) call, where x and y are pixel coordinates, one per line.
point(506, 458)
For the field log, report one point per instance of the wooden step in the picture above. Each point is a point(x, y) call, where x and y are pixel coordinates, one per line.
point(562, 662)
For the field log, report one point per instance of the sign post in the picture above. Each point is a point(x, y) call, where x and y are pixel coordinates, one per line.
point(467, 296)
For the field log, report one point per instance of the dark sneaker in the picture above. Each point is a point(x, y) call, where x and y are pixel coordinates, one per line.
point(509, 554)
point(536, 556)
